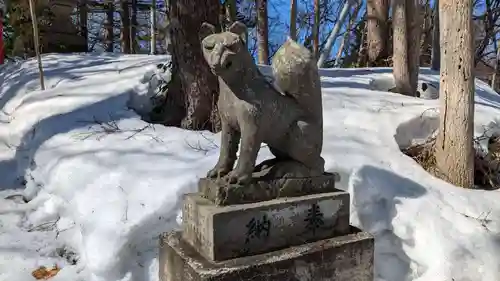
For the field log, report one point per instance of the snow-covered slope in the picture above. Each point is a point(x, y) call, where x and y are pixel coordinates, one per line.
point(103, 184)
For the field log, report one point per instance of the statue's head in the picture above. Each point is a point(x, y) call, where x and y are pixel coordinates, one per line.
point(224, 52)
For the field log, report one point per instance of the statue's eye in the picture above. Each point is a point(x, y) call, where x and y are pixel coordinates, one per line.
point(235, 47)
point(208, 45)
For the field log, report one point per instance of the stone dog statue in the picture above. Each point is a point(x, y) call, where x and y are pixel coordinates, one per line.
point(288, 120)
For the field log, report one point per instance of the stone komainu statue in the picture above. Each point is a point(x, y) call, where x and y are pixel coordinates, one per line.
point(286, 116)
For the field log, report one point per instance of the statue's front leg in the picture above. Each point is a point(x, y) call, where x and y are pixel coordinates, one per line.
point(250, 146)
point(229, 147)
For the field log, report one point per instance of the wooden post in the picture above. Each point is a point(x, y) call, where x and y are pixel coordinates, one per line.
point(36, 39)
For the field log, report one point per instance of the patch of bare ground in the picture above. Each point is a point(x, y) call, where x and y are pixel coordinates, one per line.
point(486, 162)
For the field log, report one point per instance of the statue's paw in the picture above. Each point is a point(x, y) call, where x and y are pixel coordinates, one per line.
point(218, 172)
point(236, 177)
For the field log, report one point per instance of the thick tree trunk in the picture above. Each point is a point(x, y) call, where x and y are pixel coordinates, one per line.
point(125, 28)
point(454, 146)
point(109, 32)
point(378, 31)
point(262, 32)
point(406, 26)
point(193, 91)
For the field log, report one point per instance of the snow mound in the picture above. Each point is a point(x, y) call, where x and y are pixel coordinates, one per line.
point(426, 88)
point(418, 129)
point(151, 91)
point(102, 184)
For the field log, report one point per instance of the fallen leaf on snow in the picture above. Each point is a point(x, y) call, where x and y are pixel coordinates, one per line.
point(42, 273)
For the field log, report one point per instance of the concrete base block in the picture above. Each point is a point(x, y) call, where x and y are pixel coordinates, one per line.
point(343, 258)
point(226, 232)
point(263, 188)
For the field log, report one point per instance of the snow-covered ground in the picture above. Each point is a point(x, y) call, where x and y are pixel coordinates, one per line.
point(102, 184)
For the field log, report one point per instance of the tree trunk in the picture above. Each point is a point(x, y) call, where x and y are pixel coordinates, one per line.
point(125, 29)
point(400, 45)
point(83, 15)
point(454, 146)
point(109, 24)
point(425, 48)
point(378, 31)
point(133, 28)
point(406, 53)
point(330, 41)
point(494, 81)
point(262, 32)
point(354, 51)
point(489, 27)
point(230, 11)
point(414, 16)
point(293, 19)
point(362, 56)
point(193, 91)
point(316, 29)
point(345, 38)
point(153, 27)
point(436, 56)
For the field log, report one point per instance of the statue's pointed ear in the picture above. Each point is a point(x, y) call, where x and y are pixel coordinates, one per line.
point(238, 28)
point(205, 30)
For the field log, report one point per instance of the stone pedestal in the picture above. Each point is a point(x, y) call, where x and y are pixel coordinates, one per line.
point(307, 237)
